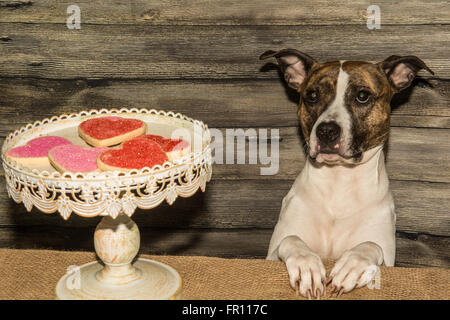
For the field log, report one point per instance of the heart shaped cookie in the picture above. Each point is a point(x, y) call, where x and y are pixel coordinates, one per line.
point(108, 131)
point(74, 158)
point(35, 152)
point(133, 154)
point(174, 148)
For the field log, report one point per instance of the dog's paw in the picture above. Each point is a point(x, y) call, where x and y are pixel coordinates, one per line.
point(307, 275)
point(352, 270)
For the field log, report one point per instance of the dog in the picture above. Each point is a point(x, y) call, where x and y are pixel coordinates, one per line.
point(340, 206)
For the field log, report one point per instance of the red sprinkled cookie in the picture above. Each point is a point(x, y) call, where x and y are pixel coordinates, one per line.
point(35, 152)
point(134, 154)
point(174, 148)
point(74, 158)
point(108, 131)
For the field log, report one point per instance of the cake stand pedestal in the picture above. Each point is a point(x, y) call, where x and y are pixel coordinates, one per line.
point(117, 244)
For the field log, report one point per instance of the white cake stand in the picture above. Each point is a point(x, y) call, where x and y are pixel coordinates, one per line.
point(114, 195)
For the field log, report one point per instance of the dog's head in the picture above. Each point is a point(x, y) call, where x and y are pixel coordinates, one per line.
point(345, 105)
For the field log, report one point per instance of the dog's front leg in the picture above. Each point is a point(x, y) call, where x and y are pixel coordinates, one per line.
point(305, 268)
point(356, 267)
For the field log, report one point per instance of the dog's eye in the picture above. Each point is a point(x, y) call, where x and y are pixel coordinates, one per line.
point(363, 96)
point(312, 96)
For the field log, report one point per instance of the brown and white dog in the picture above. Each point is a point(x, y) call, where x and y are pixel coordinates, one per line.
point(340, 206)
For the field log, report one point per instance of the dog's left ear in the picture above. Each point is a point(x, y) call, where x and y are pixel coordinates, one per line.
point(294, 64)
point(401, 71)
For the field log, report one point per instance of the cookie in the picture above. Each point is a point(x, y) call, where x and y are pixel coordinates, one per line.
point(133, 154)
point(108, 131)
point(174, 148)
point(35, 152)
point(74, 158)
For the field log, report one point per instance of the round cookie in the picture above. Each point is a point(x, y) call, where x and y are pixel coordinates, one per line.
point(72, 158)
point(35, 152)
point(109, 131)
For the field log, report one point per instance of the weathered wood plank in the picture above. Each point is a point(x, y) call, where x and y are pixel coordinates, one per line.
point(420, 251)
point(413, 154)
point(199, 52)
point(420, 207)
point(216, 12)
point(217, 103)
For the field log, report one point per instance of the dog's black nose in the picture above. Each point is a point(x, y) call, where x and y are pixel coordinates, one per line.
point(328, 132)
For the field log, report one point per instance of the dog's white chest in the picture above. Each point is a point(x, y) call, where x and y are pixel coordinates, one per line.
point(333, 208)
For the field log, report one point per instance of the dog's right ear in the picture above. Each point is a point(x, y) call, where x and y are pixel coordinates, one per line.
point(294, 64)
point(401, 71)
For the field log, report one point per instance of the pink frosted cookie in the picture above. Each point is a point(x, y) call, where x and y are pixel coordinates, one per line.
point(108, 131)
point(74, 158)
point(174, 148)
point(35, 152)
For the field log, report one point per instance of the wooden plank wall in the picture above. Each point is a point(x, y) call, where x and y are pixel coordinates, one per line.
point(201, 58)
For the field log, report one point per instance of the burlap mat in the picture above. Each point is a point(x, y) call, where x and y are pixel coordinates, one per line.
point(33, 274)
